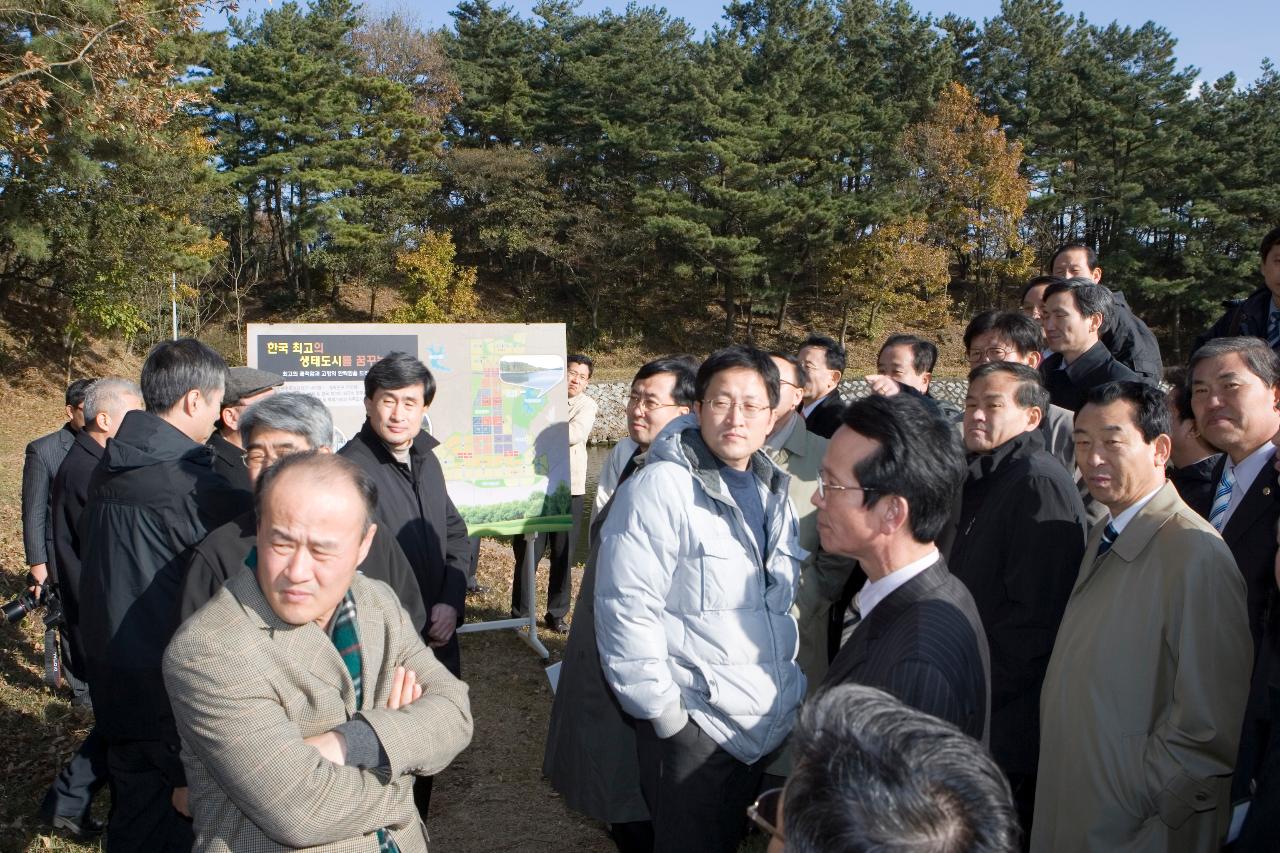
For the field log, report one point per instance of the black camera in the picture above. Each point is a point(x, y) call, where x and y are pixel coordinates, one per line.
point(17, 610)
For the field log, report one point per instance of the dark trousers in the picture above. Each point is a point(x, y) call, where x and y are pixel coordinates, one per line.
point(696, 792)
point(71, 793)
point(632, 837)
point(475, 562)
point(1262, 825)
point(144, 774)
point(563, 544)
point(1023, 786)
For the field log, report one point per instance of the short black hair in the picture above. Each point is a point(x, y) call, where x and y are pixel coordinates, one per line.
point(1013, 326)
point(76, 391)
point(682, 389)
point(739, 357)
point(1150, 415)
point(579, 358)
point(399, 370)
point(1090, 256)
point(872, 773)
point(1179, 379)
point(1261, 360)
point(1037, 281)
point(1031, 390)
point(802, 374)
point(919, 459)
point(1269, 241)
point(1089, 298)
point(924, 354)
point(835, 353)
point(322, 465)
point(173, 369)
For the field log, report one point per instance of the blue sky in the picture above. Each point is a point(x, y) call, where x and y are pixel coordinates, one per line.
point(1228, 35)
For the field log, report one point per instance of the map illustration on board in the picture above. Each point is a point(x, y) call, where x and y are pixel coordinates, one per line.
point(502, 464)
point(500, 411)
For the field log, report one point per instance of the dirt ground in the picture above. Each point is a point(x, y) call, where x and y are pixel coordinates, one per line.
point(491, 799)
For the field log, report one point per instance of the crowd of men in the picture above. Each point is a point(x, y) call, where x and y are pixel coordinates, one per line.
point(1045, 621)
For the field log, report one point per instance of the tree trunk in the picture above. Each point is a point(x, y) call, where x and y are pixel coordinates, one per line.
point(782, 310)
point(730, 307)
point(844, 324)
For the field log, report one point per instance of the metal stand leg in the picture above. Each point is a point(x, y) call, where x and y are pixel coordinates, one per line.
point(530, 569)
point(526, 626)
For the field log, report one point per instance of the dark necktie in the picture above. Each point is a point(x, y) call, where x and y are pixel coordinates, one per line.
point(1108, 539)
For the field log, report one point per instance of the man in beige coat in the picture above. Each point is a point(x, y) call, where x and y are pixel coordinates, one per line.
point(1145, 692)
point(306, 701)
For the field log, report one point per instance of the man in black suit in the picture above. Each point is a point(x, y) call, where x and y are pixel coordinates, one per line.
point(394, 449)
point(43, 457)
point(1235, 389)
point(1075, 312)
point(68, 801)
point(823, 359)
point(884, 495)
point(1021, 530)
point(1193, 463)
point(1123, 334)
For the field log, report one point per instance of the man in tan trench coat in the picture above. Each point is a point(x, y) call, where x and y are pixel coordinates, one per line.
point(1145, 692)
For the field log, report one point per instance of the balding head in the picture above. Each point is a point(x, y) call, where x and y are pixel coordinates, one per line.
point(315, 526)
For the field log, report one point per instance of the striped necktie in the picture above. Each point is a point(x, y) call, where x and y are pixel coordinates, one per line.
point(1109, 535)
point(1222, 498)
point(1273, 329)
point(852, 617)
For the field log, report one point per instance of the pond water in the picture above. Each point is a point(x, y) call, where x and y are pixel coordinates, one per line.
point(596, 455)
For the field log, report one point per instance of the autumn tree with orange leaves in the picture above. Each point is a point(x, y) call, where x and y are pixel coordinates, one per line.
point(966, 176)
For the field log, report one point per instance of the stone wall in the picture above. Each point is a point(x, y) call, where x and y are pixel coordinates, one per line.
point(611, 422)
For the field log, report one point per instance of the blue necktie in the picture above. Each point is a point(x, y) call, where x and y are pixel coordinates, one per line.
point(1109, 535)
point(1273, 329)
point(1222, 499)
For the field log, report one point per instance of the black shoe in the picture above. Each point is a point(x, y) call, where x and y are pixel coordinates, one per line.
point(478, 589)
point(79, 828)
point(556, 623)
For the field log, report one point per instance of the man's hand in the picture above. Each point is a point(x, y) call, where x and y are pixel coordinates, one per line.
point(179, 800)
point(882, 385)
point(405, 689)
point(332, 746)
point(40, 571)
point(444, 622)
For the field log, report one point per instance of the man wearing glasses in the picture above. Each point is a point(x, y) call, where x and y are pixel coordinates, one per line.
point(884, 495)
point(272, 428)
point(697, 569)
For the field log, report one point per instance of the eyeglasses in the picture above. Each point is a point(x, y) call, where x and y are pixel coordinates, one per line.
point(792, 384)
point(257, 457)
point(977, 356)
point(720, 406)
point(764, 812)
point(823, 485)
point(645, 405)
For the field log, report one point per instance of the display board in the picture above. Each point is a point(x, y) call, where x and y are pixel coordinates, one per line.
point(500, 412)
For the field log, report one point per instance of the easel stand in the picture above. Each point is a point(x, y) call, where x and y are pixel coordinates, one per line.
point(527, 626)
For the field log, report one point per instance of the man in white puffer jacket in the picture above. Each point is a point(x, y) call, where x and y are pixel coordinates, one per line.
point(697, 569)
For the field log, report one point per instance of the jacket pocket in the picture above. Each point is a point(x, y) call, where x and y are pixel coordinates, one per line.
point(1183, 797)
point(729, 575)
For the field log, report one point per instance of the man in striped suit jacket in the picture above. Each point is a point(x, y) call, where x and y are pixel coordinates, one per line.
point(306, 700)
point(884, 495)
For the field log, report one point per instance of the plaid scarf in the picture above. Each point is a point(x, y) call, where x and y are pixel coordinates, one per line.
point(347, 641)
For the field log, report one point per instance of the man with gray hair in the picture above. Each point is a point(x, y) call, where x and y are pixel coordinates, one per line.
point(152, 497)
point(271, 429)
point(67, 803)
point(1074, 314)
point(874, 774)
point(306, 699)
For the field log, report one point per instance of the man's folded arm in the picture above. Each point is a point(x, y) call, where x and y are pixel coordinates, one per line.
point(424, 736)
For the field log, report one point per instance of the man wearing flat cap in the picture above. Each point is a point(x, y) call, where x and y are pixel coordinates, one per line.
point(245, 386)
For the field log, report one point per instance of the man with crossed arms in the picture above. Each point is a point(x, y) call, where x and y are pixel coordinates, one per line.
point(305, 698)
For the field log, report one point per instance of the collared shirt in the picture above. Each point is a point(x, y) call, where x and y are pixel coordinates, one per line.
point(1246, 472)
point(878, 590)
point(779, 438)
point(1121, 521)
point(808, 410)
